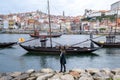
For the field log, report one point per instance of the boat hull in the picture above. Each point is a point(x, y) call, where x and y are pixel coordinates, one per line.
point(54, 50)
point(32, 35)
point(7, 44)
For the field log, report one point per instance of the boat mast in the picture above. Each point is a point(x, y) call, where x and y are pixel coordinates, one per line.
point(49, 23)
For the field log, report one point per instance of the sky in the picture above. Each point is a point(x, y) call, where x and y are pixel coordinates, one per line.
point(70, 7)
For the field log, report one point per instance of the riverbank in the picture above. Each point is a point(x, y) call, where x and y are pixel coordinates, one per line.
point(27, 31)
point(18, 31)
point(75, 74)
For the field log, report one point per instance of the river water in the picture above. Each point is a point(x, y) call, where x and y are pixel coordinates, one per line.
point(18, 59)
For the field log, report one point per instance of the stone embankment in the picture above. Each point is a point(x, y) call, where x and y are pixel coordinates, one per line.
point(75, 74)
point(18, 31)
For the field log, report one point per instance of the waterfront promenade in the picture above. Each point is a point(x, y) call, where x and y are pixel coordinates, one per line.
point(75, 74)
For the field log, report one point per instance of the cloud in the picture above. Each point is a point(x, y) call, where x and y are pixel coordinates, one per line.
point(70, 7)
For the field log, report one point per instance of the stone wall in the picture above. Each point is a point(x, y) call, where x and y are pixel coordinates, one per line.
point(75, 74)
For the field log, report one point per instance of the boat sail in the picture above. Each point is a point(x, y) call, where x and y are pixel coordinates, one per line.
point(56, 49)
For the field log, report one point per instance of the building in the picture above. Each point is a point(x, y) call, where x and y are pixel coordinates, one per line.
point(94, 13)
point(1, 23)
point(115, 5)
point(110, 12)
point(115, 8)
point(11, 24)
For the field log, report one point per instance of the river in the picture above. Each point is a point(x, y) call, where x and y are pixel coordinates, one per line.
point(18, 59)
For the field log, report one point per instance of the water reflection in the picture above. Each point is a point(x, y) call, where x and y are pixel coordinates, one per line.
point(68, 55)
point(52, 61)
point(112, 50)
point(7, 48)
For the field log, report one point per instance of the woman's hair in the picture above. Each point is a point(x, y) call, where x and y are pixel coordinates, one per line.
point(62, 49)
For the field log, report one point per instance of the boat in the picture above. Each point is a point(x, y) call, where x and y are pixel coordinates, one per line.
point(43, 49)
point(109, 43)
point(56, 50)
point(36, 34)
point(7, 44)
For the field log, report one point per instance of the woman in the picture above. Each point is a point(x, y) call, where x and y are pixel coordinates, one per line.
point(62, 59)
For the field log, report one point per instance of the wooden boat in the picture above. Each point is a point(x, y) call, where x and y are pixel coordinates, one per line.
point(7, 44)
point(32, 35)
point(36, 35)
point(56, 50)
point(107, 44)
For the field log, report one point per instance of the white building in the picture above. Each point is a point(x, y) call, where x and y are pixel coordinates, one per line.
point(115, 5)
point(6, 24)
point(110, 12)
point(115, 9)
point(95, 14)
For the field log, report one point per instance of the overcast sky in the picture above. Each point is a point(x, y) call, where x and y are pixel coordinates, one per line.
point(70, 7)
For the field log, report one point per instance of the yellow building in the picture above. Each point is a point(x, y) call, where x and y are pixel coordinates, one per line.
point(11, 24)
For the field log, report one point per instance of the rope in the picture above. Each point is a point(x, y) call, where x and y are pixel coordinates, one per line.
point(57, 43)
point(80, 42)
point(18, 43)
point(85, 41)
point(27, 40)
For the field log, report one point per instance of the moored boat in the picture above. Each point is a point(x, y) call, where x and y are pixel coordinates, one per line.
point(106, 44)
point(7, 44)
point(56, 50)
point(36, 35)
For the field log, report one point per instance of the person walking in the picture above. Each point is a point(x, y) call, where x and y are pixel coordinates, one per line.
point(62, 59)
